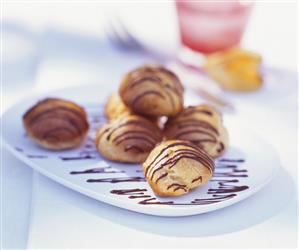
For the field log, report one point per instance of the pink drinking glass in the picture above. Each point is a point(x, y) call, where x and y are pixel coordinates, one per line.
point(209, 26)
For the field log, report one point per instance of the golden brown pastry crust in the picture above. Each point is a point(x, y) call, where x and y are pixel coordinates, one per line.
point(128, 139)
point(175, 167)
point(115, 107)
point(153, 91)
point(202, 125)
point(56, 124)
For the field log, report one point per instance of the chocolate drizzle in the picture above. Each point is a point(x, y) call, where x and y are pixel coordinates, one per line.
point(234, 171)
point(177, 186)
point(132, 134)
point(104, 170)
point(87, 151)
point(230, 160)
point(72, 122)
point(206, 132)
point(225, 184)
point(37, 156)
point(206, 201)
point(119, 179)
point(161, 177)
point(153, 201)
point(193, 110)
point(191, 152)
point(62, 109)
point(138, 123)
point(182, 134)
point(221, 147)
point(144, 131)
point(75, 158)
point(225, 189)
point(145, 135)
point(145, 79)
point(166, 84)
point(133, 193)
point(195, 123)
point(215, 199)
point(197, 179)
point(142, 95)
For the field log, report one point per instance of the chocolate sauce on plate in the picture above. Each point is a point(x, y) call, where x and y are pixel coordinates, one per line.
point(105, 170)
point(118, 179)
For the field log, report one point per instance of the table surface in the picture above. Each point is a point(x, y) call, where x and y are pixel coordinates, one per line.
point(25, 208)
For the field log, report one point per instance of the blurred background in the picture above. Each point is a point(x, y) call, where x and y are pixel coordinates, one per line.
point(52, 44)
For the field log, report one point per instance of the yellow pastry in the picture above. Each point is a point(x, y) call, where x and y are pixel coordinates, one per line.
point(115, 107)
point(202, 125)
point(175, 167)
point(128, 139)
point(152, 90)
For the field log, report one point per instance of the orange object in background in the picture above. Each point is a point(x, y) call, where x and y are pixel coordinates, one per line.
point(235, 69)
point(212, 26)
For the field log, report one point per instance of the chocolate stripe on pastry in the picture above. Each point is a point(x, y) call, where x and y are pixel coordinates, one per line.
point(56, 124)
point(186, 132)
point(141, 138)
point(176, 81)
point(193, 122)
point(56, 131)
point(52, 103)
point(175, 167)
point(161, 177)
point(177, 186)
point(197, 179)
point(75, 123)
point(142, 95)
point(145, 79)
point(141, 135)
point(132, 122)
point(171, 162)
point(128, 139)
point(209, 161)
point(144, 133)
point(201, 125)
point(39, 104)
point(149, 77)
point(199, 111)
point(154, 81)
point(46, 112)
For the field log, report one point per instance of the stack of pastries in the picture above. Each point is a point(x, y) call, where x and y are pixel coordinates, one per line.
point(177, 155)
